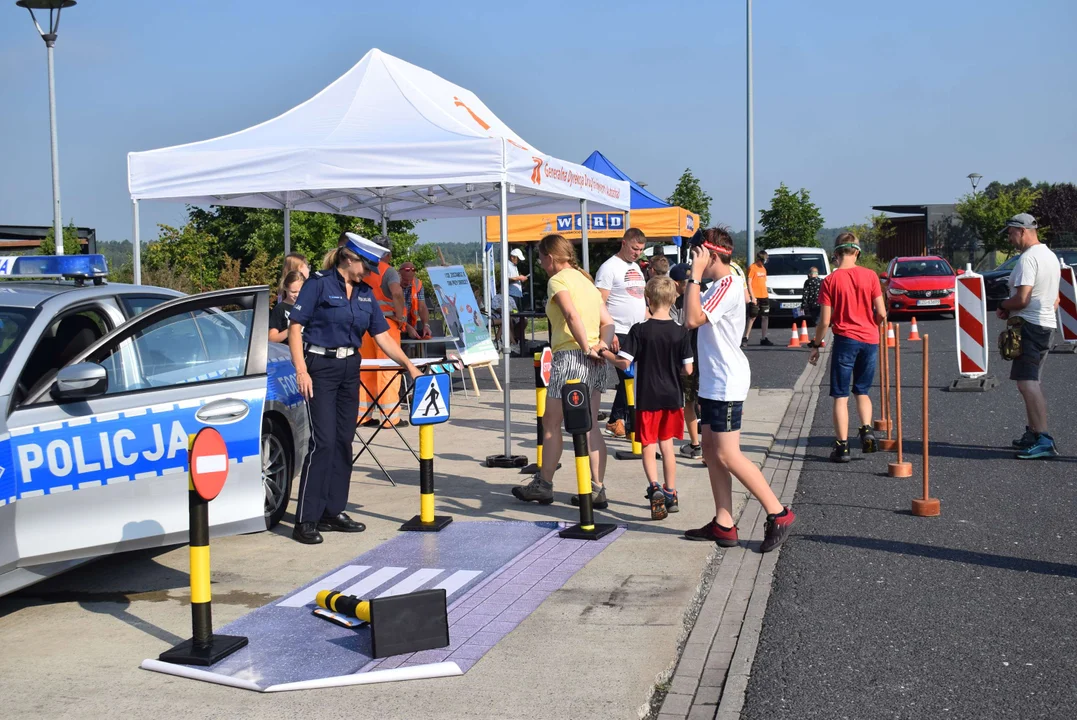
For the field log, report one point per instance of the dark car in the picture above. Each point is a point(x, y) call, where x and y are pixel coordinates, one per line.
point(996, 281)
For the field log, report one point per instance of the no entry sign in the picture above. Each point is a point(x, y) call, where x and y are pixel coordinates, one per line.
point(208, 463)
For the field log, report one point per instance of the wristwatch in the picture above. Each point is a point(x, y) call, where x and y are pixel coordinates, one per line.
point(814, 345)
point(693, 281)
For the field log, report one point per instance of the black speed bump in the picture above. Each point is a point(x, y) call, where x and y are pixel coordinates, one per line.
point(398, 623)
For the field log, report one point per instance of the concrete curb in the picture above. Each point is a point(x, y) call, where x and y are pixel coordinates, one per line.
point(711, 677)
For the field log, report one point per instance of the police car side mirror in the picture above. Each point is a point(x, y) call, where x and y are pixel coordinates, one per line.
point(79, 382)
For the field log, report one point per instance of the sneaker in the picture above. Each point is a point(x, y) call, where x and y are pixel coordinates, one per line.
point(538, 490)
point(603, 416)
point(1044, 447)
point(598, 498)
point(615, 429)
point(658, 503)
point(868, 443)
point(1025, 441)
point(744, 342)
point(715, 533)
point(765, 342)
point(840, 453)
point(672, 505)
point(691, 451)
point(776, 529)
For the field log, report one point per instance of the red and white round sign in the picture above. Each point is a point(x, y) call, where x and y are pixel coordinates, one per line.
point(209, 463)
point(546, 366)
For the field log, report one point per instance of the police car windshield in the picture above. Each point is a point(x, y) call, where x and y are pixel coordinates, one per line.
point(13, 324)
point(795, 264)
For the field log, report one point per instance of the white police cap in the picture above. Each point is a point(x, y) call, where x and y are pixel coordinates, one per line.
point(364, 248)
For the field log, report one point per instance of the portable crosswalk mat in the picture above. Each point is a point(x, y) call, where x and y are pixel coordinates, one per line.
point(494, 574)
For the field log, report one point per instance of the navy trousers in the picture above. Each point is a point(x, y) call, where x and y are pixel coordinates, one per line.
point(332, 412)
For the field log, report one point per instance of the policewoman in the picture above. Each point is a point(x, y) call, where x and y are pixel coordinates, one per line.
point(334, 311)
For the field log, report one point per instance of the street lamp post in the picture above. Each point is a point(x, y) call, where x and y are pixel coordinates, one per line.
point(54, 7)
point(751, 147)
point(975, 179)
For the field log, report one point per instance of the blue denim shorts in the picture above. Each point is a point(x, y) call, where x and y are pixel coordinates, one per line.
point(721, 415)
point(852, 361)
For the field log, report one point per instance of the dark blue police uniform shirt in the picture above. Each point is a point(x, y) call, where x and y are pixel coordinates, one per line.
point(329, 319)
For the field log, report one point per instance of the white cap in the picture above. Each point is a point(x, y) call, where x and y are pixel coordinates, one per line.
point(517, 253)
point(366, 249)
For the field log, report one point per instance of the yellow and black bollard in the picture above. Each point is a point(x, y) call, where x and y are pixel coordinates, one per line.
point(636, 452)
point(204, 648)
point(426, 521)
point(398, 623)
point(541, 379)
point(576, 401)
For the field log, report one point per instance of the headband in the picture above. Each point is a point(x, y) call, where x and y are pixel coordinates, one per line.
point(855, 246)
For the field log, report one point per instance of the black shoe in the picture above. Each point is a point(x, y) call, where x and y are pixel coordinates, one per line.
point(744, 342)
point(1027, 440)
point(840, 453)
point(340, 523)
point(765, 342)
point(603, 416)
point(868, 443)
point(306, 533)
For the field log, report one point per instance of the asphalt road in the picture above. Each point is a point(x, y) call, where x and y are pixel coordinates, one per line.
point(875, 613)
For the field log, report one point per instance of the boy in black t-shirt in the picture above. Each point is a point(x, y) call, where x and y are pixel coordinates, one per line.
point(661, 349)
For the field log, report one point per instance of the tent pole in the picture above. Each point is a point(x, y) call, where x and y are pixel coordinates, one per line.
point(486, 277)
point(287, 230)
point(136, 246)
point(531, 283)
point(384, 225)
point(584, 222)
point(506, 347)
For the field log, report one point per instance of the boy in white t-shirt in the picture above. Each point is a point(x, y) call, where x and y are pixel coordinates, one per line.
point(724, 378)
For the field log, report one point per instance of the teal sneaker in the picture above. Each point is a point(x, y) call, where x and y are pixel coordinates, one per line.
point(1044, 447)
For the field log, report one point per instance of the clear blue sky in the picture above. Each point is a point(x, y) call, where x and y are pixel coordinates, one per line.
point(858, 104)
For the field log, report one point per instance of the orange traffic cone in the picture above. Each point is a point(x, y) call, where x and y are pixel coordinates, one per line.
point(914, 333)
point(794, 339)
point(891, 341)
point(804, 339)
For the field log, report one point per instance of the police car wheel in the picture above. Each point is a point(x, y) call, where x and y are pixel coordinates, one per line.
point(276, 471)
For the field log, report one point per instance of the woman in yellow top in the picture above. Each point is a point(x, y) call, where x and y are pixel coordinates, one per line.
point(580, 328)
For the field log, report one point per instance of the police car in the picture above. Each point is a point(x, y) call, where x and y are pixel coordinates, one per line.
point(100, 385)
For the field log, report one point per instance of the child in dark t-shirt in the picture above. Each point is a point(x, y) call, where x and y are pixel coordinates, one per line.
point(661, 349)
point(278, 317)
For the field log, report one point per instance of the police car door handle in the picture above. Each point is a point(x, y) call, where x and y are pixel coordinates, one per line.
point(222, 412)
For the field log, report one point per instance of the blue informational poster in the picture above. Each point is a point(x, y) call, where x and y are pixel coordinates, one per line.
point(431, 402)
point(461, 312)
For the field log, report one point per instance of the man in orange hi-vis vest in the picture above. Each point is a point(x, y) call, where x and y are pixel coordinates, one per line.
point(385, 283)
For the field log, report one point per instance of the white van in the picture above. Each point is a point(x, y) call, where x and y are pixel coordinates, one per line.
point(787, 269)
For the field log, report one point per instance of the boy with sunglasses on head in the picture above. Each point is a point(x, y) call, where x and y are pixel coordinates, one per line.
point(724, 378)
point(661, 349)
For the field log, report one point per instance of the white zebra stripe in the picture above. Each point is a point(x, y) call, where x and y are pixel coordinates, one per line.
point(457, 580)
point(373, 581)
point(307, 597)
point(412, 582)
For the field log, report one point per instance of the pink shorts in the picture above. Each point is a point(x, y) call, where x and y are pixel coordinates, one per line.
point(654, 426)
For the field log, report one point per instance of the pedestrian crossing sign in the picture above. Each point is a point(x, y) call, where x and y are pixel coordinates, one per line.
point(430, 403)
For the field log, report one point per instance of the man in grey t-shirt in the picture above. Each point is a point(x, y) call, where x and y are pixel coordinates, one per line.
point(1033, 298)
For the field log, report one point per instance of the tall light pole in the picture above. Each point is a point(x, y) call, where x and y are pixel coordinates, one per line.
point(974, 178)
point(54, 7)
point(751, 148)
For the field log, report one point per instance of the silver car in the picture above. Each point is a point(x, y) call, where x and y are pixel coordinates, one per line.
point(100, 386)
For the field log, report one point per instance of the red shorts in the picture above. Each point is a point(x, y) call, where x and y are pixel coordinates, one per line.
point(653, 426)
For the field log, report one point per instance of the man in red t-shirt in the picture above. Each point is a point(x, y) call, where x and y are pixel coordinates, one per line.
point(851, 300)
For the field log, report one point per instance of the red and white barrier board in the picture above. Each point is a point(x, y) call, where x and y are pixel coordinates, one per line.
point(971, 324)
point(1067, 305)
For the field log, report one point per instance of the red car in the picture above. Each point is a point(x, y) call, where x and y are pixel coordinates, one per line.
point(919, 285)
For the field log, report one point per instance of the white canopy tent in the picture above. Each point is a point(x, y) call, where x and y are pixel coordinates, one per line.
point(388, 141)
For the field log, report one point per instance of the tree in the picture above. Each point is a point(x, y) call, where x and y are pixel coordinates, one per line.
point(72, 246)
point(1056, 211)
point(984, 216)
point(994, 188)
point(186, 259)
point(690, 196)
point(877, 230)
point(792, 220)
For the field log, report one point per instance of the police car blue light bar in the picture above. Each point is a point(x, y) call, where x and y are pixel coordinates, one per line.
point(54, 266)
